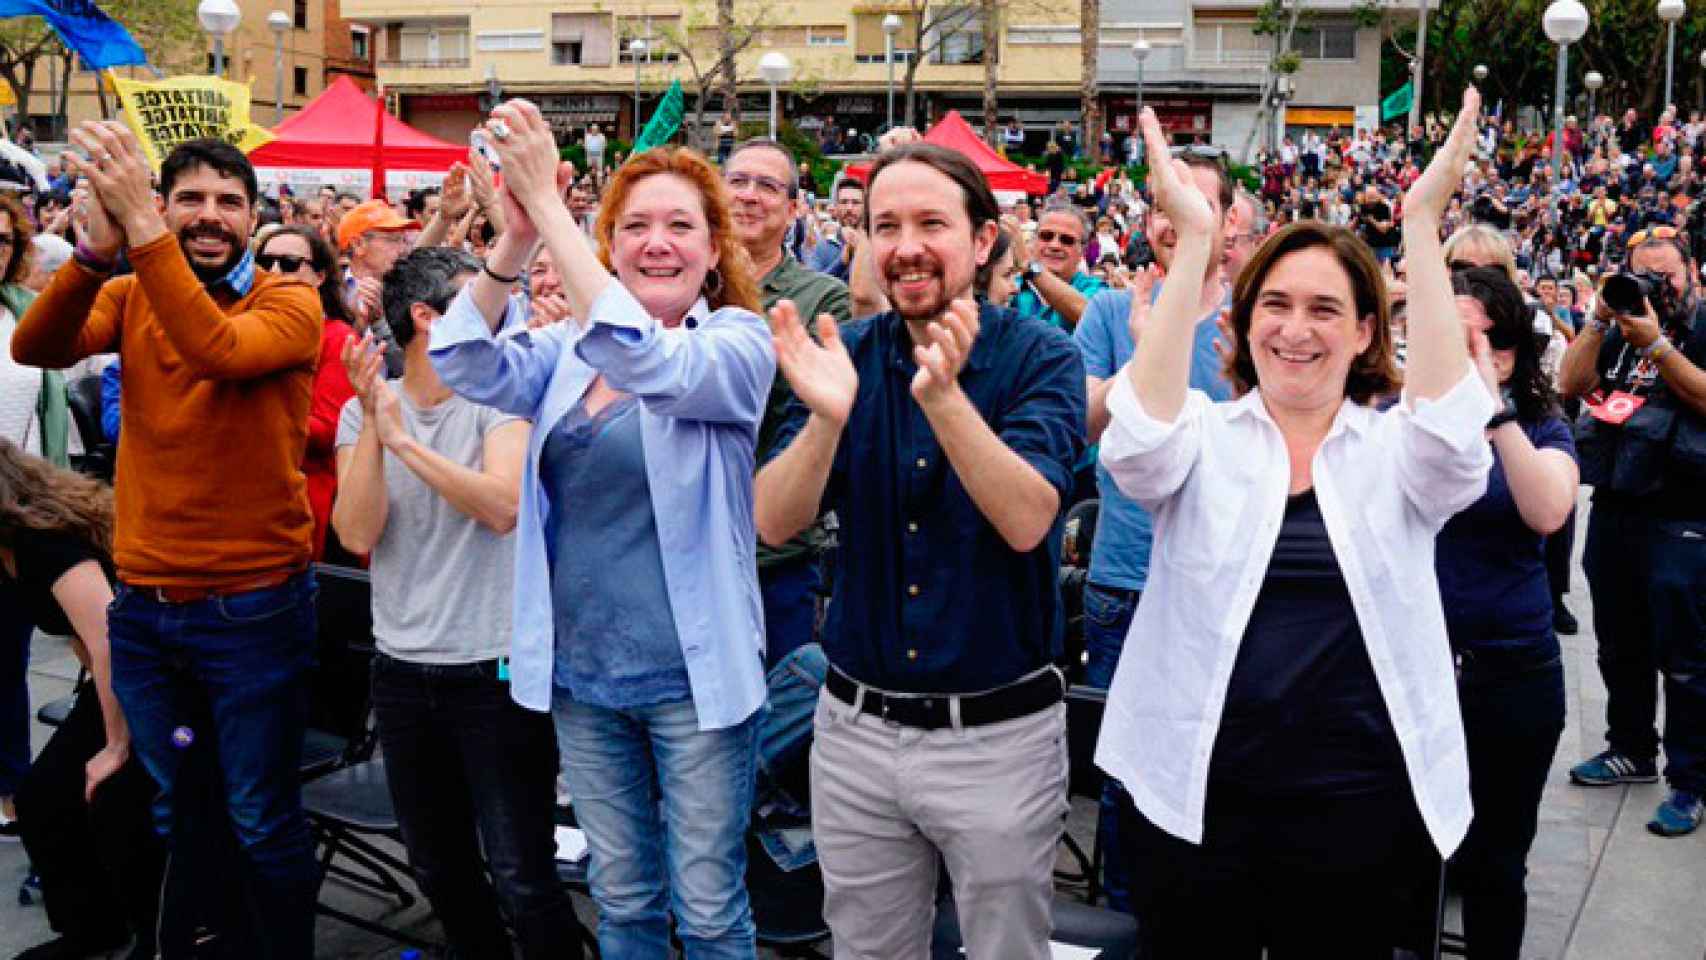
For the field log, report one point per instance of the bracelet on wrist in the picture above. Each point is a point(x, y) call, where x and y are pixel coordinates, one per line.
point(487, 269)
point(90, 259)
point(1657, 349)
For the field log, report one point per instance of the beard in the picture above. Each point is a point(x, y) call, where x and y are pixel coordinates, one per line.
point(205, 272)
point(918, 310)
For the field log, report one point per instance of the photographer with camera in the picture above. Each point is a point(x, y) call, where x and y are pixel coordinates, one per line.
point(1640, 367)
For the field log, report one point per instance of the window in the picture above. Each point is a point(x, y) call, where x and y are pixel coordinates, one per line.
point(826, 36)
point(1325, 42)
point(301, 81)
point(651, 30)
point(360, 46)
point(580, 39)
point(1231, 43)
point(433, 46)
point(301, 17)
point(508, 41)
point(868, 37)
point(960, 34)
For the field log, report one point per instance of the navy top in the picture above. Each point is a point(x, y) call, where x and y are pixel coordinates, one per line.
point(616, 641)
point(929, 597)
point(1492, 567)
point(1303, 712)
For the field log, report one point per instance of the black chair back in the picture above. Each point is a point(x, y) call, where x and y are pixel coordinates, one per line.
point(83, 398)
point(1084, 708)
point(340, 695)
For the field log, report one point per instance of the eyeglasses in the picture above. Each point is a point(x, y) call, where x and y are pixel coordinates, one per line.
point(1052, 236)
point(281, 262)
point(1652, 233)
point(769, 186)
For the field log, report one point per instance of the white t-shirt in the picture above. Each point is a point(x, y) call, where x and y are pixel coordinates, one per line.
point(20, 391)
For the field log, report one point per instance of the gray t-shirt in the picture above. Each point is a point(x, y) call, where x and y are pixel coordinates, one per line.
point(442, 583)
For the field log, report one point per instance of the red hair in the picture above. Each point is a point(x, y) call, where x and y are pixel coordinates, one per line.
point(738, 287)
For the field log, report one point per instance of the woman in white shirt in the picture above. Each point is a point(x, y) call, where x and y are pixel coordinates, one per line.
point(1284, 715)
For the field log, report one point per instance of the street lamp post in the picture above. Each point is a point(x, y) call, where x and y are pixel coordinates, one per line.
point(1670, 11)
point(1140, 53)
point(1593, 81)
point(1565, 22)
point(775, 69)
point(218, 18)
point(891, 26)
point(279, 21)
point(636, 49)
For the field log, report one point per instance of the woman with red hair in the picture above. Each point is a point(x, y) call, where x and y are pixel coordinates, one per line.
point(637, 618)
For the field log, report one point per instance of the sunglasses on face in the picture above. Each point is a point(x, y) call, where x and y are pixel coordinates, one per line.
point(1052, 236)
point(281, 262)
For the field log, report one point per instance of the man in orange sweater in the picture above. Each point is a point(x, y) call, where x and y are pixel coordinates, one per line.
point(213, 625)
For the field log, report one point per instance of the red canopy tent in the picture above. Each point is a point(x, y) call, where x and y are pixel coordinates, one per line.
point(336, 131)
point(953, 132)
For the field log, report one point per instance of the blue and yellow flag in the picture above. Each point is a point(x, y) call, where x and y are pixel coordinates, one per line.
point(98, 39)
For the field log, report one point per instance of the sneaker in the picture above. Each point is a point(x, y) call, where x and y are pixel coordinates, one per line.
point(1611, 767)
point(1678, 815)
point(1563, 621)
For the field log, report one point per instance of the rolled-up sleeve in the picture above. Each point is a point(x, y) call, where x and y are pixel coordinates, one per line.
point(1442, 449)
point(508, 372)
point(1045, 422)
point(719, 373)
point(1149, 460)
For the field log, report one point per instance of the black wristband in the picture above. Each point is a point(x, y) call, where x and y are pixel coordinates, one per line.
point(1507, 415)
point(487, 269)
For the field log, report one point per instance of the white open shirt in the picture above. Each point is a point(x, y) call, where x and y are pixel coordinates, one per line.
point(1216, 481)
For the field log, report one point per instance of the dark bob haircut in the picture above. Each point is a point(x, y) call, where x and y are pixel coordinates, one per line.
point(1373, 374)
point(1512, 327)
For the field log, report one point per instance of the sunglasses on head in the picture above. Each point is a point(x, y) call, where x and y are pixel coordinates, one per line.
point(1054, 236)
point(1653, 233)
point(282, 262)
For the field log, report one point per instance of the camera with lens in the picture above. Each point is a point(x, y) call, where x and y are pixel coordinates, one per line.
point(1626, 292)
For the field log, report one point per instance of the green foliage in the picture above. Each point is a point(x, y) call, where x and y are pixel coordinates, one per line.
point(805, 149)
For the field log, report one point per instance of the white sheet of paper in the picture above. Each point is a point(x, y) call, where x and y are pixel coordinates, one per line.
point(571, 844)
point(1065, 951)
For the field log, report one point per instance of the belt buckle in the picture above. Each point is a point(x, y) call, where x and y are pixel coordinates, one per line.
point(884, 714)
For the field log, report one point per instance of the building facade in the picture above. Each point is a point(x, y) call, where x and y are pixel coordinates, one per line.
point(1207, 67)
point(443, 62)
point(318, 46)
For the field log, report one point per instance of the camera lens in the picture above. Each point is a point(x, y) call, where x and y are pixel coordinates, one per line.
point(1623, 293)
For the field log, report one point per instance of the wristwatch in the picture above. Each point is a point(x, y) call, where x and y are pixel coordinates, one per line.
point(1033, 269)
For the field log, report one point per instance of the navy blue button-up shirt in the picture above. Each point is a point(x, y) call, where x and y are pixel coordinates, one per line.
point(928, 597)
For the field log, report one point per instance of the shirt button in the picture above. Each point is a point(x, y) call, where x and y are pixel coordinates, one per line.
point(912, 654)
point(912, 526)
point(922, 463)
point(913, 589)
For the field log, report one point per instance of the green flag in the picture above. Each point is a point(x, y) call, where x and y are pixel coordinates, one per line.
point(664, 122)
point(1398, 104)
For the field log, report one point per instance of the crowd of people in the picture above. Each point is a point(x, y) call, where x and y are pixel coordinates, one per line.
point(663, 471)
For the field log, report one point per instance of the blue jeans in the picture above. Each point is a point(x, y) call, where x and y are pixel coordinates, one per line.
point(471, 770)
point(15, 632)
point(233, 669)
point(782, 821)
point(790, 608)
point(1107, 619)
point(665, 807)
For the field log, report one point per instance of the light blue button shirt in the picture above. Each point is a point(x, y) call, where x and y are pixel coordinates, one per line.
point(702, 387)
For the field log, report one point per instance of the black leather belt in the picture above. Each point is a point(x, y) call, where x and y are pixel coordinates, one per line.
point(934, 711)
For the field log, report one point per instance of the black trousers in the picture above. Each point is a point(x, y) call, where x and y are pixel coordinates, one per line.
point(1313, 877)
point(1512, 725)
point(100, 865)
point(472, 771)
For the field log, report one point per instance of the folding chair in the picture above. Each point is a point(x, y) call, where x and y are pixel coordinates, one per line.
point(339, 731)
point(1084, 707)
point(54, 712)
point(83, 400)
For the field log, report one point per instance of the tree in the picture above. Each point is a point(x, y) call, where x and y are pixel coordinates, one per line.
point(165, 29)
point(1089, 42)
point(991, 71)
point(932, 26)
point(733, 34)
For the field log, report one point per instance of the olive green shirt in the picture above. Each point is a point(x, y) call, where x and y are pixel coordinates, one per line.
point(813, 293)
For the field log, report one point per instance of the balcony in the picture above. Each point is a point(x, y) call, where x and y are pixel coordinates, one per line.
point(432, 63)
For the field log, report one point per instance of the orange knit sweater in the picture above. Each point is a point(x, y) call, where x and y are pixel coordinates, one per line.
point(209, 488)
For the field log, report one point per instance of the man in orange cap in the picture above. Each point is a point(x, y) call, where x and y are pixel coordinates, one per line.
point(374, 236)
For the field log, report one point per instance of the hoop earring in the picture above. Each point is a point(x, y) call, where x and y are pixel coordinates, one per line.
point(711, 292)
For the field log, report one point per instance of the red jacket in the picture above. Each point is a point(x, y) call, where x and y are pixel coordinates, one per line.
point(331, 390)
